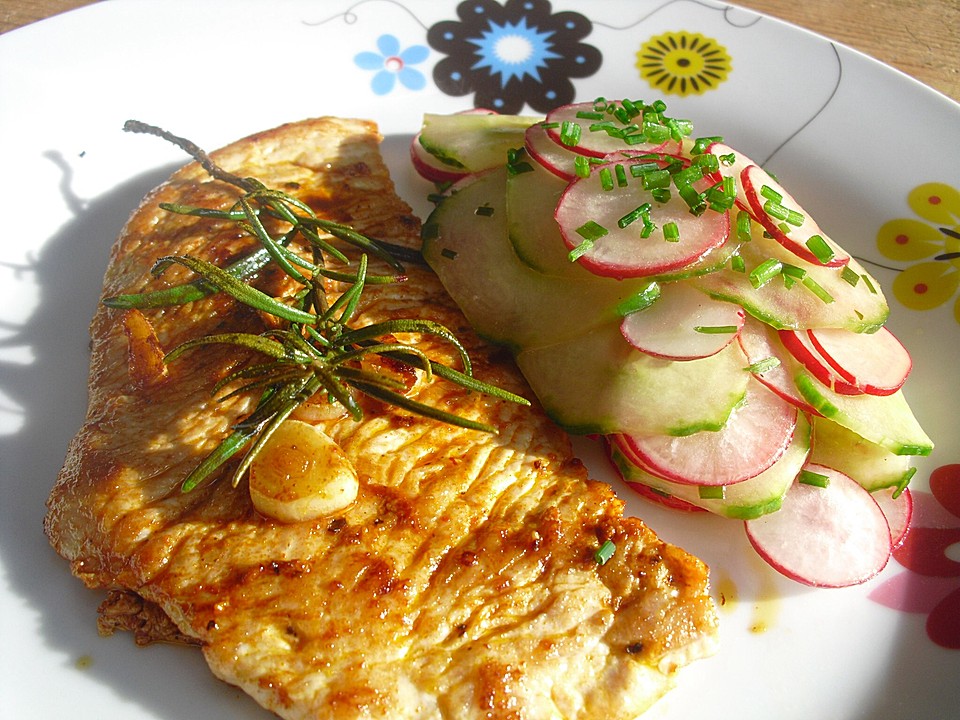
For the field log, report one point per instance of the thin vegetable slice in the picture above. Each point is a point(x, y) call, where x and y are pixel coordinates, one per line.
point(832, 536)
point(788, 223)
point(876, 363)
point(683, 324)
point(617, 230)
point(754, 437)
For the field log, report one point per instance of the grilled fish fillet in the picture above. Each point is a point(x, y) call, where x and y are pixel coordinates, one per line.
point(461, 583)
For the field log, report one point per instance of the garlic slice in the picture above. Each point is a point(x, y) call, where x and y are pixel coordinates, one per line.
point(301, 474)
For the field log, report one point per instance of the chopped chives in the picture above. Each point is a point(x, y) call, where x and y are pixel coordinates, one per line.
point(631, 107)
point(570, 133)
point(655, 179)
point(449, 254)
point(709, 162)
point(600, 104)
point(688, 175)
point(700, 145)
point(580, 250)
point(583, 115)
point(606, 178)
point(716, 329)
point(622, 115)
point(710, 492)
point(743, 226)
point(817, 289)
point(671, 232)
point(648, 227)
point(519, 168)
point(656, 132)
point(484, 210)
point(808, 477)
point(770, 194)
point(765, 272)
point(550, 125)
point(775, 210)
point(850, 275)
point(728, 159)
point(737, 264)
point(820, 248)
point(641, 301)
point(797, 273)
point(430, 231)
point(641, 211)
point(605, 552)
point(661, 195)
point(591, 231)
point(794, 217)
point(869, 283)
point(581, 166)
point(621, 174)
point(762, 366)
point(904, 481)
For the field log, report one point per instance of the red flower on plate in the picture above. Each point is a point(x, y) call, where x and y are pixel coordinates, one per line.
point(931, 555)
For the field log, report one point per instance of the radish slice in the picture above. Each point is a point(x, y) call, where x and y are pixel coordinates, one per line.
point(898, 511)
point(800, 239)
point(755, 436)
point(620, 252)
point(799, 344)
point(740, 163)
point(669, 501)
point(683, 324)
point(594, 143)
point(770, 362)
point(832, 536)
point(877, 362)
point(430, 168)
point(556, 158)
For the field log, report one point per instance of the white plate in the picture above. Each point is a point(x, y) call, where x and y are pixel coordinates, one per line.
point(850, 137)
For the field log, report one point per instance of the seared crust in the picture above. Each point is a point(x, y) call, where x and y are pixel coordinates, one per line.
point(460, 584)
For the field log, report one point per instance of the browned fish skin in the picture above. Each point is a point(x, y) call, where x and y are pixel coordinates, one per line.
point(460, 584)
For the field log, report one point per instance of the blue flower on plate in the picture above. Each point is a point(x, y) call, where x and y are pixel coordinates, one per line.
point(392, 65)
point(511, 54)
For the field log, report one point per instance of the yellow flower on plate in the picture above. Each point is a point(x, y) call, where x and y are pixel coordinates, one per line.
point(683, 63)
point(931, 244)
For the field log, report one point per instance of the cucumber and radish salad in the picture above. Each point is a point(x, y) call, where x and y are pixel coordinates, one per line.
point(666, 293)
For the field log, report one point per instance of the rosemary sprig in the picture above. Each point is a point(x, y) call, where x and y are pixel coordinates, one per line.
point(314, 348)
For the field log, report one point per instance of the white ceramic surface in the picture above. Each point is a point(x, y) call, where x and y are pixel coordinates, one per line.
point(851, 139)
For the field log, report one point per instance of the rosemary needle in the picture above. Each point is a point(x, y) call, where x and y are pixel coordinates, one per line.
point(314, 348)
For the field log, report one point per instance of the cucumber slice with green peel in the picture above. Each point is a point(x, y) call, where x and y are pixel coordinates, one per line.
point(532, 198)
point(473, 142)
point(886, 420)
point(596, 383)
point(465, 242)
point(823, 297)
point(743, 501)
point(872, 466)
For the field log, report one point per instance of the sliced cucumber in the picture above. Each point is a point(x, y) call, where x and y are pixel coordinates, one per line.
point(597, 383)
point(531, 201)
point(465, 242)
point(787, 304)
point(886, 420)
point(872, 466)
point(742, 501)
point(473, 142)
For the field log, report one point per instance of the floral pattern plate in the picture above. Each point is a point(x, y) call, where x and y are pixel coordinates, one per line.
point(868, 151)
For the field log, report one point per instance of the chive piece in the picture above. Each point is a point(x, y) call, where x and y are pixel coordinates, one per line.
point(606, 178)
point(792, 271)
point(904, 481)
point(591, 231)
point(765, 272)
point(808, 477)
point(817, 289)
point(700, 145)
point(570, 133)
point(716, 329)
point(775, 210)
point(850, 275)
point(637, 213)
point(621, 174)
point(762, 366)
point(743, 226)
point(449, 254)
point(484, 210)
point(770, 194)
point(711, 492)
point(430, 231)
point(671, 232)
point(661, 195)
point(605, 552)
point(581, 166)
point(655, 179)
point(550, 125)
point(737, 264)
point(869, 283)
point(583, 115)
point(641, 301)
point(728, 159)
point(630, 107)
point(820, 248)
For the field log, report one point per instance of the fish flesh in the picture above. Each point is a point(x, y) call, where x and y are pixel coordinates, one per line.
point(462, 582)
